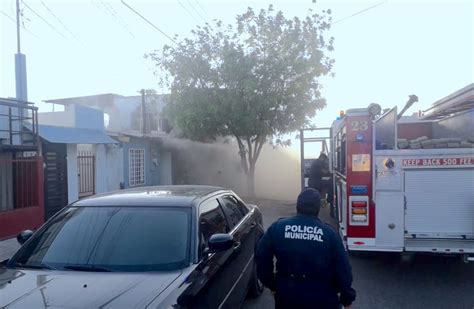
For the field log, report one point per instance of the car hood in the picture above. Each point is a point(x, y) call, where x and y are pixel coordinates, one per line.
point(74, 289)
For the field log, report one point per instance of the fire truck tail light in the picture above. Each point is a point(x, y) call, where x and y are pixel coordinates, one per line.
point(359, 218)
point(359, 204)
point(359, 211)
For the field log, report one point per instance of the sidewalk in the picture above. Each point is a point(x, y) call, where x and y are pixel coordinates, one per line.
point(7, 248)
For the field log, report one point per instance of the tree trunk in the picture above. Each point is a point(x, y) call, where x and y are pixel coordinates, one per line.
point(249, 151)
point(251, 181)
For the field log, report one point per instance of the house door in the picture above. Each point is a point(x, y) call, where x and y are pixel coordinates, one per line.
point(55, 178)
point(86, 173)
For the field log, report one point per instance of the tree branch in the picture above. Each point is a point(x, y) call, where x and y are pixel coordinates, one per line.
point(256, 140)
point(262, 142)
point(249, 143)
point(243, 157)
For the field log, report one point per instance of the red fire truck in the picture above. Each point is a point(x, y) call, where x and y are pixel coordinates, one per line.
point(406, 184)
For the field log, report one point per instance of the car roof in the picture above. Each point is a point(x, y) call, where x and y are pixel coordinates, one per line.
point(173, 196)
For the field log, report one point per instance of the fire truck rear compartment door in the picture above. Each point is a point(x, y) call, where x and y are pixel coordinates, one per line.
point(440, 203)
point(389, 220)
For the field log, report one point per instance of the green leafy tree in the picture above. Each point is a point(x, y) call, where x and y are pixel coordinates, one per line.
point(255, 81)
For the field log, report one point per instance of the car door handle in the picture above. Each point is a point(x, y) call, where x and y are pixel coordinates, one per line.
point(253, 224)
point(237, 245)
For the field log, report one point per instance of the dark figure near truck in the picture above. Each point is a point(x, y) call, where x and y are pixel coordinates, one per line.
point(320, 178)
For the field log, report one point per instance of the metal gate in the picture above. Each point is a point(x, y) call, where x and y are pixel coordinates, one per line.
point(21, 194)
point(86, 173)
point(55, 178)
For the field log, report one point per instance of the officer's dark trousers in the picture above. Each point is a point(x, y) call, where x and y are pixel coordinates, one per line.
point(304, 294)
point(325, 186)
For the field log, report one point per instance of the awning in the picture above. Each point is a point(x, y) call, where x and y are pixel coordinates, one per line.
point(66, 135)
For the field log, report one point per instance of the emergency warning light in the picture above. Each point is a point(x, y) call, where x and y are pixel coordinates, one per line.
point(359, 190)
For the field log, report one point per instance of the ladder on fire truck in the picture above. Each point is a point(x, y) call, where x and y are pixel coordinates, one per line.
point(314, 136)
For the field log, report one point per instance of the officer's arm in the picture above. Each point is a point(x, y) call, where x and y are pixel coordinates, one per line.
point(343, 273)
point(264, 259)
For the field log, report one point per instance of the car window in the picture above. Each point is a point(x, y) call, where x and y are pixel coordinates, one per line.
point(211, 221)
point(232, 209)
point(118, 238)
point(243, 208)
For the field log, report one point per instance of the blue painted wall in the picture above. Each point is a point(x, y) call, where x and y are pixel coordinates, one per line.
point(88, 118)
point(152, 155)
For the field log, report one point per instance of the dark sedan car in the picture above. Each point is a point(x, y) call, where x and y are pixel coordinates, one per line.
point(154, 247)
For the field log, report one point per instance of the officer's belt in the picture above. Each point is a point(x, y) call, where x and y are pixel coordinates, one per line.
point(296, 276)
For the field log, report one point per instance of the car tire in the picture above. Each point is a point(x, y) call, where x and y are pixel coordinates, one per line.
point(255, 285)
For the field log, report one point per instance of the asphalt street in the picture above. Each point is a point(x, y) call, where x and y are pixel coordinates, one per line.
point(383, 280)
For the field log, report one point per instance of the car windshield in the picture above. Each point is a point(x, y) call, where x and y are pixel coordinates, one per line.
point(111, 239)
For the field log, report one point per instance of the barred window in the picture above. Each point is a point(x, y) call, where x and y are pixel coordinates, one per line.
point(136, 160)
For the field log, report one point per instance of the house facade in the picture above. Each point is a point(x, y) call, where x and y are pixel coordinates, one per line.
point(21, 168)
point(135, 122)
point(76, 151)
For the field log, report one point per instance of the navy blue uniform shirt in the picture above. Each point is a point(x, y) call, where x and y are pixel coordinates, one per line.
point(312, 267)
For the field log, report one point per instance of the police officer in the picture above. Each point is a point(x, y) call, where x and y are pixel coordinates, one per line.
point(312, 267)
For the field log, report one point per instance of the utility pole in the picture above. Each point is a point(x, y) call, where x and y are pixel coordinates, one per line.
point(20, 62)
point(18, 25)
point(144, 129)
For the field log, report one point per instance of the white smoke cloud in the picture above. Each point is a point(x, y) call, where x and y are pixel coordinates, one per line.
point(277, 173)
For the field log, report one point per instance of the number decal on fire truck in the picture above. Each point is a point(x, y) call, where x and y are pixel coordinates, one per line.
point(359, 125)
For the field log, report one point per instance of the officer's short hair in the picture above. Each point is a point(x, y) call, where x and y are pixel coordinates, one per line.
point(308, 202)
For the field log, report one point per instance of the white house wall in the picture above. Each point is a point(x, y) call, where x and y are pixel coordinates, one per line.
point(72, 173)
point(100, 169)
point(60, 119)
point(74, 116)
point(114, 167)
point(121, 120)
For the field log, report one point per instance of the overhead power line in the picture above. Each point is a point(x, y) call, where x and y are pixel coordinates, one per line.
point(44, 20)
point(59, 20)
point(200, 6)
point(14, 21)
point(194, 9)
point(115, 15)
point(149, 22)
point(188, 11)
point(8, 16)
point(359, 12)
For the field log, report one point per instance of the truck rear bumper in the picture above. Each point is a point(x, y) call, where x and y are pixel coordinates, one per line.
point(446, 246)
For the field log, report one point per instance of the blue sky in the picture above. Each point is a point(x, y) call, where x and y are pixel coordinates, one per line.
point(383, 55)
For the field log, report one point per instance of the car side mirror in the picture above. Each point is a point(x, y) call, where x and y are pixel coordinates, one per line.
point(24, 236)
point(220, 242)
